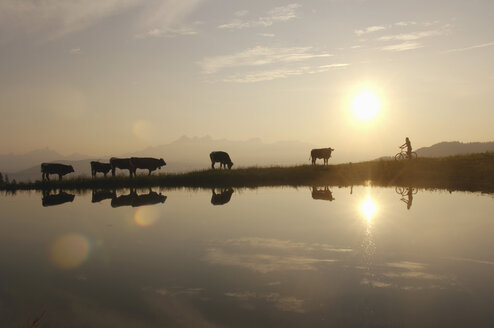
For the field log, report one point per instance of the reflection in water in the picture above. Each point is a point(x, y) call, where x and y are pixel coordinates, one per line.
point(133, 199)
point(284, 261)
point(99, 195)
point(69, 251)
point(146, 216)
point(368, 208)
point(407, 194)
point(322, 193)
point(222, 197)
point(49, 199)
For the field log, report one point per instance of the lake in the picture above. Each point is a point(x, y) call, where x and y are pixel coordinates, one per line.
point(280, 257)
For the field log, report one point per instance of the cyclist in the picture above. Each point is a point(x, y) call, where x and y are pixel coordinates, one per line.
point(408, 146)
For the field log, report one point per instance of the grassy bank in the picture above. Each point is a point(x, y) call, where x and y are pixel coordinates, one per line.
point(471, 173)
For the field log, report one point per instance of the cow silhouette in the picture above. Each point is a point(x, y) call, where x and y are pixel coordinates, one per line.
point(55, 168)
point(146, 163)
point(122, 164)
point(100, 167)
point(222, 157)
point(324, 153)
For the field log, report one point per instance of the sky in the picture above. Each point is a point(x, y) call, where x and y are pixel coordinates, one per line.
point(114, 76)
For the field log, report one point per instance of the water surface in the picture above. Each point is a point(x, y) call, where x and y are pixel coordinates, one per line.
point(328, 257)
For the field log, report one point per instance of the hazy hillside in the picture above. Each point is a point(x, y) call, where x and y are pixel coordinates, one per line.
point(455, 148)
point(15, 162)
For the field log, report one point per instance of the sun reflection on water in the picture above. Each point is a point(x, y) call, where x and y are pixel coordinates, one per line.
point(368, 208)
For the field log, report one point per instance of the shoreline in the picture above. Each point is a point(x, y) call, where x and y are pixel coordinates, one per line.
point(473, 172)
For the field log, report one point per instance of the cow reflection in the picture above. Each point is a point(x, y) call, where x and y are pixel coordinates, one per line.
point(61, 197)
point(322, 193)
point(222, 197)
point(100, 195)
point(135, 200)
point(407, 193)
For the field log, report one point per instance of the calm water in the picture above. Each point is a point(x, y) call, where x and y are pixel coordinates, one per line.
point(266, 257)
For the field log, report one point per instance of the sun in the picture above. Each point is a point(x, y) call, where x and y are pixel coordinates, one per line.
point(366, 105)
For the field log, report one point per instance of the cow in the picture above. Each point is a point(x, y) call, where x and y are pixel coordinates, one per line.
point(222, 157)
point(121, 163)
point(100, 167)
point(146, 163)
point(55, 168)
point(324, 153)
point(222, 197)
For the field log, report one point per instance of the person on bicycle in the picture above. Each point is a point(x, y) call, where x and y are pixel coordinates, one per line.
point(408, 146)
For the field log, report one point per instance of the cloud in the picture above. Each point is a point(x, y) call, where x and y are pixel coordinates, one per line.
point(51, 19)
point(402, 46)
point(281, 73)
point(282, 303)
point(275, 15)
point(167, 18)
point(259, 56)
point(264, 255)
point(167, 32)
point(478, 46)
point(370, 29)
point(411, 36)
point(75, 51)
point(267, 35)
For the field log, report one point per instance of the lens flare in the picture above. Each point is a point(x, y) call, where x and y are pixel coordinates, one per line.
point(146, 216)
point(69, 251)
point(368, 208)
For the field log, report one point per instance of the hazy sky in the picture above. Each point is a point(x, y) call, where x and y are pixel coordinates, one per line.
point(110, 76)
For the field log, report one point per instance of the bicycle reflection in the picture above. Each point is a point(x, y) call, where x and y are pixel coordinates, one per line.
point(407, 195)
point(322, 193)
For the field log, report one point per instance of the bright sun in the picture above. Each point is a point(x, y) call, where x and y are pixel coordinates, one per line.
point(365, 105)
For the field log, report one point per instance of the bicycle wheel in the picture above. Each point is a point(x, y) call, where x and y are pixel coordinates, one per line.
point(400, 190)
point(414, 155)
point(400, 156)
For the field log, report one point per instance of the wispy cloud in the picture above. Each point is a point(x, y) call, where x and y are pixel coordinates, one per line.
point(167, 32)
point(369, 29)
point(267, 35)
point(478, 46)
point(75, 51)
point(259, 56)
point(275, 15)
point(265, 255)
point(282, 303)
point(412, 36)
point(402, 46)
point(51, 19)
point(280, 73)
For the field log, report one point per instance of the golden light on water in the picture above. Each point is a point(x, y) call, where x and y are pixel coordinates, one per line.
point(366, 104)
point(69, 251)
point(368, 208)
point(146, 216)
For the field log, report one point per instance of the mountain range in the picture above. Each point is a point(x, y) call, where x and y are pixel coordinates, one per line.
point(192, 153)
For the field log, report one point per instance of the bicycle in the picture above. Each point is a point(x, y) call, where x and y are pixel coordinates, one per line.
point(403, 155)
